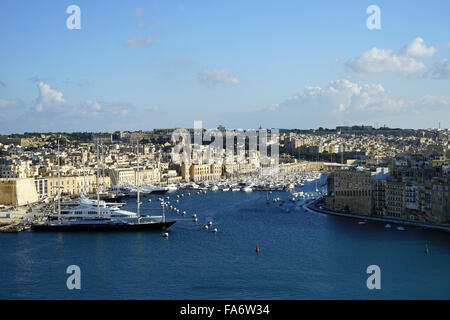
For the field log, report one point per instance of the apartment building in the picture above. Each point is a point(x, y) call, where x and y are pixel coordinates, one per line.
point(395, 198)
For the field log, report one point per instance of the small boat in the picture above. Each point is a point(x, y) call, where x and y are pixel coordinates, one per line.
point(400, 228)
point(150, 189)
point(172, 187)
point(388, 226)
point(361, 222)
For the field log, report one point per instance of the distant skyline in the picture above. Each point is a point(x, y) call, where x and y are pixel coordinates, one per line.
point(140, 65)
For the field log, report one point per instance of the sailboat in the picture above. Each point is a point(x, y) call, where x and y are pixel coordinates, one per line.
point(102, 221)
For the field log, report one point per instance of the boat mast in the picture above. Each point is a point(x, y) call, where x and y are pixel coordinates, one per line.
point(103, 165)
point(137, 182)
point(117, 173)
point(153, 172)
point(59, 187)
point(164, 213)
point(98, 181)
point(84, 173)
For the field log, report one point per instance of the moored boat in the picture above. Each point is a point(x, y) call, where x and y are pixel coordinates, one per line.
point(101, 224)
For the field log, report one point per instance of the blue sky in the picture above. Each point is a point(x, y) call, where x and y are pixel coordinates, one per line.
point(289, 64)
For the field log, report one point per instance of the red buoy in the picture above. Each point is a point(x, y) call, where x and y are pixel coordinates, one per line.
point(257, 248)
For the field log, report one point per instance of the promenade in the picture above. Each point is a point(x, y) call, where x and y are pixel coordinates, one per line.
point(316, 207)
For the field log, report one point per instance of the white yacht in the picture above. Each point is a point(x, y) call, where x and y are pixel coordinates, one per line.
point(85, 200)
point(87, 208)
point(172, 187)
point(154, 190)
point(94, 215)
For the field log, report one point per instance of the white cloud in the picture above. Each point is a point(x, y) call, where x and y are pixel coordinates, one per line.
point(404, 63)
point(417, 48)
point(441, 69)
point(53, 112)
point(213, 77)
point(345, 96)
point(434, 101)
point(95, 105)
point(51, 103)
point(49, 98)
point(380, 60)
point(138, 42)
point(343, 100)
point(273, 107)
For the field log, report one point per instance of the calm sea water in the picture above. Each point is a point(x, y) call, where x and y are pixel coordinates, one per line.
point(302, 256)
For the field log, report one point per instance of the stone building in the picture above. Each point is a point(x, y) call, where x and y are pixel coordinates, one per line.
point(18, 192)
point(201, 172)
point(395, 198)
point(350, 190)
point(440, 200)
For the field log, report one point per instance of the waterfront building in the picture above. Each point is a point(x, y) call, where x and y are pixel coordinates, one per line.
point(407, 195)
point(201, 172)
point(440, 200)
point(395, 198)
point(350, 190)
point(18, 192)
point(42, 187)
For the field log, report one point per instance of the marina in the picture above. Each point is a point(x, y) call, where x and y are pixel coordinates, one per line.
point(224, 151)
point(215, 249)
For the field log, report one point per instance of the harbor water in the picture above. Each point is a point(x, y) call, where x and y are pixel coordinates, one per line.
point(302, 256)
